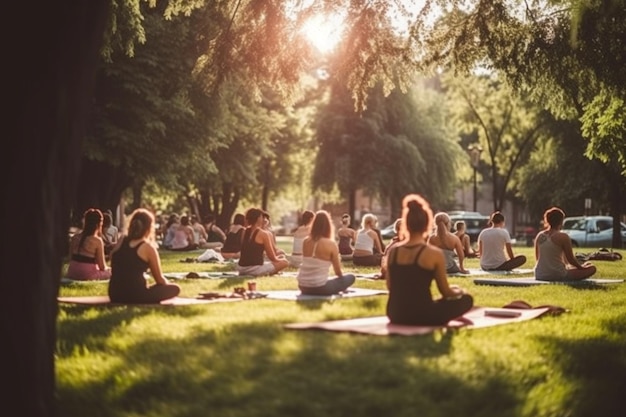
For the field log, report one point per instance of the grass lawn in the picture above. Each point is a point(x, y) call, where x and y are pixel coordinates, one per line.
point(235, 359)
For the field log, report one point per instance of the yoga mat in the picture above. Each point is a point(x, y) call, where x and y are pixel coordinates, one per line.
point(295, 295)
point(201, 275)
point(476, 318)
point(526, 282)
point(472, 272)
point(221, 275)
point(104, 300)
point(481, 272)
point(66, 280)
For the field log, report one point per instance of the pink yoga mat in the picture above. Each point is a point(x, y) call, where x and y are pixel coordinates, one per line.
point(476, 318)
point(177, 301)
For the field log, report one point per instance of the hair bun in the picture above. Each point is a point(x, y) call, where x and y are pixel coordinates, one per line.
point(414, 205)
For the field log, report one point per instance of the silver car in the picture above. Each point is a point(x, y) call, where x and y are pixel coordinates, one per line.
point(592, 231)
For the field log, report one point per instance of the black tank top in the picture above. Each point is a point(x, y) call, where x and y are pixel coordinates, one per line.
point(251, 252)
point(409, 287)
point(233, 242)
point(127, 270)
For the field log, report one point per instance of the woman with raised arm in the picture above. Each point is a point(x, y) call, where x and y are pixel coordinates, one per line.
point(131, 258)
point(412, 267)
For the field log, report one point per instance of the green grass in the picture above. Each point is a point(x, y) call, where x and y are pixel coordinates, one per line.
point(235, 359)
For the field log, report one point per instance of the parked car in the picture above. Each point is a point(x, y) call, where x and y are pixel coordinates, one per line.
point(592, 231)
point(388, 232)
point(474, 222)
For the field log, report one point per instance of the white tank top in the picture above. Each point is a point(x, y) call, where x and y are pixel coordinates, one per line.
point(364, 242)
point(313, 272)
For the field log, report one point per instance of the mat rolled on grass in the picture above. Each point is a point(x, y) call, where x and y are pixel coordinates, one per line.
point(527, 282)
point(296, 295)
point(98, 300)
point(478, 317)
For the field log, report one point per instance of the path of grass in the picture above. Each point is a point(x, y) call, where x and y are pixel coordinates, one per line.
point(236, 360)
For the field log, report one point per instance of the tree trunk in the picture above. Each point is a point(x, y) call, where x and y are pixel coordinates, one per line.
point(51, 75)
point(352, 206)
point(100, 185)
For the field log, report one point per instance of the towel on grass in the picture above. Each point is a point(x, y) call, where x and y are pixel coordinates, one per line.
point(296, 295)
point(105, 300)
point(476, 318)
point(527, 282)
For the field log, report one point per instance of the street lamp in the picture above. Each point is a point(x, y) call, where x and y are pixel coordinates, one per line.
point(474, 153)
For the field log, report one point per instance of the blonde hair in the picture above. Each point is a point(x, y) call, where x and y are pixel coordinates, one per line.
point(368, 220)
point(442, 223)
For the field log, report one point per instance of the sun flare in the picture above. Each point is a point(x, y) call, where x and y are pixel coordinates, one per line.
point(324, 32)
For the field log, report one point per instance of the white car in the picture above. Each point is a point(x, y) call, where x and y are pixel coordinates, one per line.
point(592, 231)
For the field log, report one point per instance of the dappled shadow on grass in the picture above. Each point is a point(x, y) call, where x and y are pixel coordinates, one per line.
point(260, 369)
point(109, 318)
point(596, 366)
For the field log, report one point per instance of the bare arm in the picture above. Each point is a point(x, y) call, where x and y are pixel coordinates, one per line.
point(441, 278)
point(376, 240)
point(460, 253)
point(509, 250)
point(566, 244)
point(268, 243)
point(151, 255)
point(334, 258)
point(102, 265)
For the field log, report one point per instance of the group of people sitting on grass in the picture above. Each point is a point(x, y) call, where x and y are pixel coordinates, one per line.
point(409, 264)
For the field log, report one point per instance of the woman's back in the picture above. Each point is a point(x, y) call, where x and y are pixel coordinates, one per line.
point(128, 270)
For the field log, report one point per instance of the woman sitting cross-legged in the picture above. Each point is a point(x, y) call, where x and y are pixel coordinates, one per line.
point(87, 253)
point(368, 248)
point(234, 238)
point(554, 253)
point(412, 267)
point(320, 252)
point(449, 243)
point(134, 254)
point(301, 232)
point(258, 242)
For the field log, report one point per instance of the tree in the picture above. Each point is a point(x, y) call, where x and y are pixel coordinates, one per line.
point(566, 56)
point(145, 125)
point(396, 146)
point(507, 127)
point(49, 93)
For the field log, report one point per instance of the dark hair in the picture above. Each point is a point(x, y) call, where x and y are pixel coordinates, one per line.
point(307, 217)
point(252, 215)
point(184, 220)
point(107, 220)
point(140, 224)
point(239, 219)
point(417, 216)
point(322, 226)
point(497, 217)
point(553, 216)
point(92, 222)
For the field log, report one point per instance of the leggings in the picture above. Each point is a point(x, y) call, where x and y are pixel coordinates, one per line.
point(151, 295)
point(439, 313)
